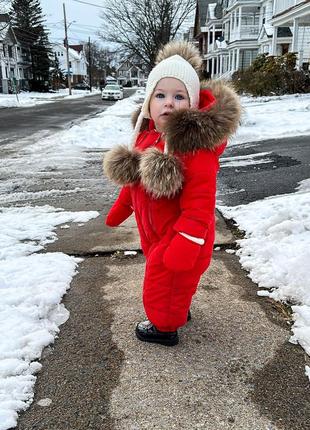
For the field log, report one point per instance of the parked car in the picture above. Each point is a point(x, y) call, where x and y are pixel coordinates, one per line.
point(112, 92)
point(139, 95)
point(81, 86)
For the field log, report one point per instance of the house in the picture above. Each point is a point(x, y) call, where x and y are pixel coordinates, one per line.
point(8, 55)
point(200, 29)
point(77, 61)
point(294, 14)
point(216, 56)
point(15, 58)
point(130, 73)
point(231, 33)
point(232, 28)
point(24, 61)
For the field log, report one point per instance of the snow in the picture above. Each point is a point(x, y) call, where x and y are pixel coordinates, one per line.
point(28, 99)
point(31, 288)
point(276, 252)
point(274, 117)
point(275, 249)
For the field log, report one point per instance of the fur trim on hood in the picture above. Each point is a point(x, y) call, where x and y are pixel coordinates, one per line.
point(186, 132)
point(206, 128)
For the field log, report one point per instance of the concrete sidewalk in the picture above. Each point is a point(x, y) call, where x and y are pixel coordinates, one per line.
point(233, 368)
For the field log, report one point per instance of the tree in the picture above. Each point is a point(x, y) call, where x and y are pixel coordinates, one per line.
point(27, 17)
point(4, 7)
point(101, 61)
point(141, 27)
point(57, 75)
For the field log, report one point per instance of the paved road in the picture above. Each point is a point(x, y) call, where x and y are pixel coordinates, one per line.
point(283, 164)
point(16, 123)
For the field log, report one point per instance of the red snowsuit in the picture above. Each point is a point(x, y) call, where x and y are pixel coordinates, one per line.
point(174, 264)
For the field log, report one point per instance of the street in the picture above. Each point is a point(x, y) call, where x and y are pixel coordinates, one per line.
point(17, 123)
point(283, 163)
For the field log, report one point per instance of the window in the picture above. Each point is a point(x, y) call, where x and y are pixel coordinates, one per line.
point(246, 57)
point(10, 51)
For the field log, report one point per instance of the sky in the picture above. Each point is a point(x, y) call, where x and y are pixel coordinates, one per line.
point(275, 250)
point(87, 19)
point(86, 16)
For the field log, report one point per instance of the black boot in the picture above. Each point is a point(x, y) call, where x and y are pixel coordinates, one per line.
point(147, 332)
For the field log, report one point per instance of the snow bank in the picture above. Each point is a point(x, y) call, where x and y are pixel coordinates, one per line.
point(31, 289)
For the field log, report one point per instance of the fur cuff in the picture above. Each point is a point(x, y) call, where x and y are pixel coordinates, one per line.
point(161, 174)
point(122, 165)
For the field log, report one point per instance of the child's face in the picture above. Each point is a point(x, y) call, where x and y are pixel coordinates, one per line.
point(169, 95)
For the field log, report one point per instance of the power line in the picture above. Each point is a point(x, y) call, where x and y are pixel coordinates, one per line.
point(74, 25)
point(89, 4)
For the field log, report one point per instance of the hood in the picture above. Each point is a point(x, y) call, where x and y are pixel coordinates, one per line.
point(187, 131)
point(216, 119)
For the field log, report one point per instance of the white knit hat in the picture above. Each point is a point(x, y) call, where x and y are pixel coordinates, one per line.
point(172, 67)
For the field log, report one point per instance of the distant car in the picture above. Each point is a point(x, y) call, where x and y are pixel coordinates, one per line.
point(112, 92)
point(81, 86)
point(139, 95)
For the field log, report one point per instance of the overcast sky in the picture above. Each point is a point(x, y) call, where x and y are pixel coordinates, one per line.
point(87, 19)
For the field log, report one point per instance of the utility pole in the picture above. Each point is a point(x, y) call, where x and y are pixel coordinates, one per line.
point(89, 65)
point(67, 50)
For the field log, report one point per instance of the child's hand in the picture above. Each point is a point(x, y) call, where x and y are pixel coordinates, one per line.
point(181, 254)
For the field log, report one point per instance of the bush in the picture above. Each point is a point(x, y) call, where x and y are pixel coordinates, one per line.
point(272, 76)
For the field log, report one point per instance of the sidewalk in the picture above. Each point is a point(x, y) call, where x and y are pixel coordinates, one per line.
point(233, 368)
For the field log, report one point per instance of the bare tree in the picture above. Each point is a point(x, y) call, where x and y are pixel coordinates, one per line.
point(101, 61)
point(141, 27)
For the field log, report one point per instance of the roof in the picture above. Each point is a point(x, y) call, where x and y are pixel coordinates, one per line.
point(5, 30)
point(72, 53)
point(201, 14)
point(77, 48)
point(24, 36)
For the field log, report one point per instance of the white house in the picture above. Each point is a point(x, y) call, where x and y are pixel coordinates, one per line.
point(234, 32)
point(77, 61)
point(130, 73)
point(15, 58)
point(296, 15)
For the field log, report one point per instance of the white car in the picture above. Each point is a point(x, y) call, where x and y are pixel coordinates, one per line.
point(112, 92)
point(139, 95)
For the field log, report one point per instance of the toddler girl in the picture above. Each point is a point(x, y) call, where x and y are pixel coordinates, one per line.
point(168, 179)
